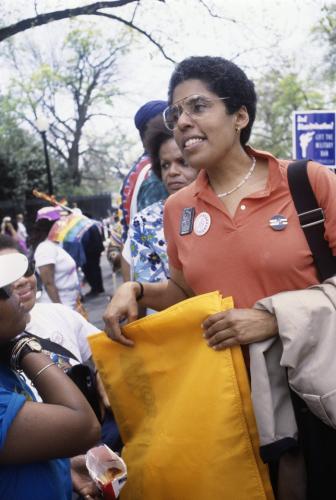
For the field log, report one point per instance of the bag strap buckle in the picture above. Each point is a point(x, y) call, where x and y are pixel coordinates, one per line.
point(311, 217)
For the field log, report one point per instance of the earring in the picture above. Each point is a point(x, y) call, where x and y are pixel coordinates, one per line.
point(237, 129)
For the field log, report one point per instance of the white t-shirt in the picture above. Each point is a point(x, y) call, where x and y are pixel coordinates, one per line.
point(66, 278)
point(65, 327)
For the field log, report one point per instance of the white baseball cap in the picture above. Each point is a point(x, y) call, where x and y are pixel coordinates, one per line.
point(12, 267)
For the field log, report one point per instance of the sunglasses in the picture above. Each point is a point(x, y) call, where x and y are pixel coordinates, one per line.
point(6, 291)
point(30, 269)
point(194, 106)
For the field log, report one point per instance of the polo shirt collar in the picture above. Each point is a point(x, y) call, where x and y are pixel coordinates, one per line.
point(203, 189)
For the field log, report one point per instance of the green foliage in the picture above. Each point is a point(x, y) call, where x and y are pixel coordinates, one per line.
point(72, 85)
point(105, 163)
point(325, 34)
point(21, 159)
point(282, 91)
point(279, 94)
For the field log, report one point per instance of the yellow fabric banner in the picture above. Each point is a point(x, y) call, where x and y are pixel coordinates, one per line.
point(184, 410)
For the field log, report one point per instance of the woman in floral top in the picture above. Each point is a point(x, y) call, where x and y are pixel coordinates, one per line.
point(148, 245)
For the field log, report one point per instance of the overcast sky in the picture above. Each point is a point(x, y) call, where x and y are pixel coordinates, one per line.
point(252, 32)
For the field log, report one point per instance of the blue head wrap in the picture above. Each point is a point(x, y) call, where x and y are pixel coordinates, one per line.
point(147, 112)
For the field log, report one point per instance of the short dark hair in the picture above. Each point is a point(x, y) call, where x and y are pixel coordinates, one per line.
point(9, 242)
point(225, 79)
point(39, 232)
point(156, 134)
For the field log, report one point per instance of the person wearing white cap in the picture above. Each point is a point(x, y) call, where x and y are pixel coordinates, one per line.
point(32, 435)
point(61, 331)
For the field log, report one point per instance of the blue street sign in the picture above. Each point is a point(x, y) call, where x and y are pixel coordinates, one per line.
point(314, 136)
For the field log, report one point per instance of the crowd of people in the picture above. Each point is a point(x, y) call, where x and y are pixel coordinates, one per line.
point(16, 229)
point(201, 210)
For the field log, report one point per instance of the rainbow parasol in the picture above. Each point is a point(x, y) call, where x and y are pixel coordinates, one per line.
point(70, 229)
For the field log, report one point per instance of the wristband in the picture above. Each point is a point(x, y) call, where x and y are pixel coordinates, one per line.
point(142, 291)
point(23, 346)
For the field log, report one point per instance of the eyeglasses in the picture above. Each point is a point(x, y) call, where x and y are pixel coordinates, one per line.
point(6, 291)
point(194, 105)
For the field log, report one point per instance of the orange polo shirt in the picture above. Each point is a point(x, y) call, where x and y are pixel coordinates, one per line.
point(242, 255)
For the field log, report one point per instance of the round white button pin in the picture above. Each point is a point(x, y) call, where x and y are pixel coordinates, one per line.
point(202, 223)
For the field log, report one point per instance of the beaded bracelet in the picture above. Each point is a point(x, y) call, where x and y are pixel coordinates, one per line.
point(142, 291)
point(40, 371)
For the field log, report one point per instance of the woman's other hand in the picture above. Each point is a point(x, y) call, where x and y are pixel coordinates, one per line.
point(123, 307)
point(81, 480)
point(239, 326)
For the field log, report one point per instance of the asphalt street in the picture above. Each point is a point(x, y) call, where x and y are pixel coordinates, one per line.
point(96, 306)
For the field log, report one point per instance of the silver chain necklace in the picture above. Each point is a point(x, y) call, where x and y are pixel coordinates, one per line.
point(247, 176)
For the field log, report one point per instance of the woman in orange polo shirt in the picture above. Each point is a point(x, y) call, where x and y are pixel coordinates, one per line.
point(235, 228)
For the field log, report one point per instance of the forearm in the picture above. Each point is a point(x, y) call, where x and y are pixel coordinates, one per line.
point(38, 427)
point(53, 385)
point(159, 296)
point(125, 270)
point(52, 291)
point(129, 297)
point(47, 273)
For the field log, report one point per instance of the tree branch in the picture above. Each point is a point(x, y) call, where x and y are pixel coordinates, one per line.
point(135, 11)
point(60, 136)
point(52, 110)
point(48, 17)
point(35, 8)
point(136, 28)
point(58, 150)
point(93, 115)
point(202, 2)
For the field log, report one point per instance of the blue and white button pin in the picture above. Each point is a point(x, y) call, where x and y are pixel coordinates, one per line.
point(278, 222)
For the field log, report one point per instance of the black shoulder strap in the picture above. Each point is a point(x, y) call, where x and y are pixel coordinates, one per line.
point(311, 218)
point(51, 346)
